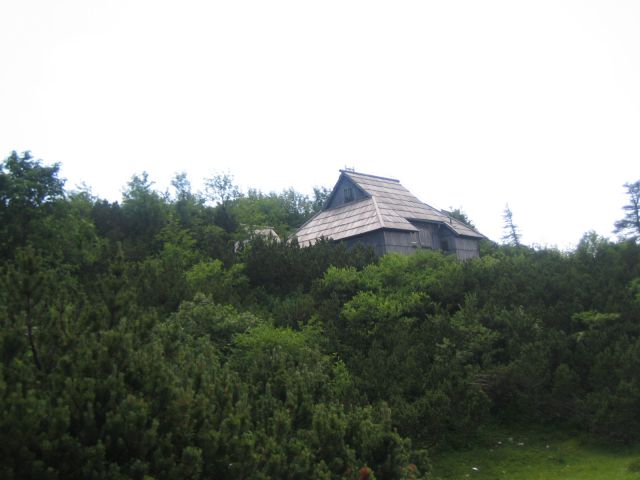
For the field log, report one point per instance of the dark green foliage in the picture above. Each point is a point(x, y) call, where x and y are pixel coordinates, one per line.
point(401, 346)
point(123, 354)
point(29, 193)
point(283, 267)
point(285, 211)
point(144, 215)
point(458, 214)
point(135, 342)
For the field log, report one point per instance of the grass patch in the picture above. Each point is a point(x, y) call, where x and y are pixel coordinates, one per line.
point(536, 454)
point(634, 466)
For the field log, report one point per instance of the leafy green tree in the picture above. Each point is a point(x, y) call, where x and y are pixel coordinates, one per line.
point(188, 206)
point(144, 215)
point(221, 189)
point(320, 197)
point(108, 220)
point(461, 216)
point(26, 183)
point(285, 211)
point(28, 192)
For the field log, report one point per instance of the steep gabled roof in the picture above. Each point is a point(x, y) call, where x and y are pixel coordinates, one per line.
point(387, 204)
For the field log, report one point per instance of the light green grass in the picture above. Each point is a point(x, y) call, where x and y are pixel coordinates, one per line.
point(502, 454)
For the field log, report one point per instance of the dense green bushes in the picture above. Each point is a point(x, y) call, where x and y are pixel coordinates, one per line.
point(138, 341)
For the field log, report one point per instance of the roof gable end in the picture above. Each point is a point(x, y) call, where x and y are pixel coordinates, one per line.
point(346, 190)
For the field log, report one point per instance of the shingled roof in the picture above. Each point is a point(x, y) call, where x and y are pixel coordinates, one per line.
point(386, 204)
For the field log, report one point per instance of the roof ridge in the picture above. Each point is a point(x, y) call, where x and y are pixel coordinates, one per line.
point(375, 204)
point(369, 175)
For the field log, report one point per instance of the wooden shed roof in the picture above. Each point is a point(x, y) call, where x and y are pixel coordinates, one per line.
point(387, 204)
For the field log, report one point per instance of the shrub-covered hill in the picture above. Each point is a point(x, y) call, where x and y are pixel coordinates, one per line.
point(145, 339)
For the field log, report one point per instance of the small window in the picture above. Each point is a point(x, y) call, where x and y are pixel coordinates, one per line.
point(348, 194)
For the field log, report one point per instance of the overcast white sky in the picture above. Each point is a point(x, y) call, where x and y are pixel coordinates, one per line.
point(471, 104)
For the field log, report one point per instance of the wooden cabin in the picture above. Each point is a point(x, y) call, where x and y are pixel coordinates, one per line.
point(380, 212)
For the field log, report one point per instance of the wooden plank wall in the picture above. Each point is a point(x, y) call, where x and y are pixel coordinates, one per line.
point(467, 248)
point(428, 235)
point(400, 242)
point(372, 239)
point(388, 241)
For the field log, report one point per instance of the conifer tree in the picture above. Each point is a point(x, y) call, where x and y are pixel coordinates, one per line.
point(512, 233)
point(629, 226)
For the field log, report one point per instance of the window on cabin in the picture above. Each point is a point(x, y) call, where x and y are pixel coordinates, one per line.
point(348, 194)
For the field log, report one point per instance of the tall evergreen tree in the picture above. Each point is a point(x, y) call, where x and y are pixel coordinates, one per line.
point(512, 233)
point(629, 226)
